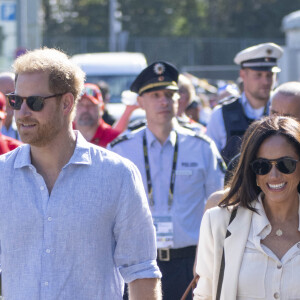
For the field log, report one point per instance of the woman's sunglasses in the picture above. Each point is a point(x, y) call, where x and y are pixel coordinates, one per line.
point(35, 103)
point(263, 166)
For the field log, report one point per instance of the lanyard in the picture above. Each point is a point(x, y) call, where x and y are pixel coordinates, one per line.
point(147, 167)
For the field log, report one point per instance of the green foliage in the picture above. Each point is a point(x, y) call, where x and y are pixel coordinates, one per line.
point(77, 17)
point(178, 18)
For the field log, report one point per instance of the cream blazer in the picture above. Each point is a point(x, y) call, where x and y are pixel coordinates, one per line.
point(212, 238)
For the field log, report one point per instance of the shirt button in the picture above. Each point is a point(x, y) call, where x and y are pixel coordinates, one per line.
point(279, 266)
point(42, 188)
point(46, 283)
point(48, 250)
point(49, 218)
point(276, 295)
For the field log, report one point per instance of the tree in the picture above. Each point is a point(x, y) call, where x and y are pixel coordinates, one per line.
point(159, 18)
point(76, 17)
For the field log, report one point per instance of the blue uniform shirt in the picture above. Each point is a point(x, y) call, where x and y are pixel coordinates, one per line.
point(83, 239)
point(216, 127)
point(198, 174)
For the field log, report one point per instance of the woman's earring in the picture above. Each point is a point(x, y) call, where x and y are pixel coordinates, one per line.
point(257, 183)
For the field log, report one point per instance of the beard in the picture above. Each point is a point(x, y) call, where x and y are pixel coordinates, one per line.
point(41, 134)
point(86, 119)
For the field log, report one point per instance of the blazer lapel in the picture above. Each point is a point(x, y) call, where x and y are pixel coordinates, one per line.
point(234, 246)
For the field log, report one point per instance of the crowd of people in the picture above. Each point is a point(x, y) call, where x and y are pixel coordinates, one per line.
point(193, 192)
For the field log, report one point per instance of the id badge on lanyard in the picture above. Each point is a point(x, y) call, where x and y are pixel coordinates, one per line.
point(164, 231)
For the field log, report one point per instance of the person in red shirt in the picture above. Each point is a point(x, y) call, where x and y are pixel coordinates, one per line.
point(6, 143)
point(89, 120)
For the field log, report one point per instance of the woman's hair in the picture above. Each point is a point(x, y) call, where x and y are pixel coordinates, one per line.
point(184, 81)
point(242, 186)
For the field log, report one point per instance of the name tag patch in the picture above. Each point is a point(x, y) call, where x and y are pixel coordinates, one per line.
point(189, 164)
point(184, 172)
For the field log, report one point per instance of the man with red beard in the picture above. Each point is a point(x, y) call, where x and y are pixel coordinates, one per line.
point(89, 120)
point(71, 212)
point(6, 143)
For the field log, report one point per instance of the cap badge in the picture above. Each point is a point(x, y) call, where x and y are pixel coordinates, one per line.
point(159, 68)
point(269, 51)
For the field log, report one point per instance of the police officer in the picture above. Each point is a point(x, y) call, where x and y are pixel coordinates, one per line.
point(179, 168)
point(230, 119)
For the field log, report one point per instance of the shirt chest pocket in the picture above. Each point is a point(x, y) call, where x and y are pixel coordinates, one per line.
point(188, 180)
point(251, 282)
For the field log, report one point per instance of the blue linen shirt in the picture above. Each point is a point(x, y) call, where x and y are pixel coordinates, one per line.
point(198, 174)
point(79, 242)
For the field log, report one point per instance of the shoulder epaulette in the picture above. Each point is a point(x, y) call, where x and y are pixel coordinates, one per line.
point(119, 139)
point(201, 136)
point(228, 100)
point(192, 126)
point(136, 124)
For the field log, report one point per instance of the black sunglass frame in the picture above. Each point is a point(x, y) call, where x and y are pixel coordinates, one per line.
point(288, 167)
point(35, 103)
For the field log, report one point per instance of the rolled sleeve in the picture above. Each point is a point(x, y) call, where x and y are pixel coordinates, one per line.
point(135, 252)
point(147, 269)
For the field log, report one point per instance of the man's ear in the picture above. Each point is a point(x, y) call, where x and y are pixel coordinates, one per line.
point(68, 102)
point(140, 101)
point(242, 73)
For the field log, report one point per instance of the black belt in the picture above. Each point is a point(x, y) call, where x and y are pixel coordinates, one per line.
point(166, 254)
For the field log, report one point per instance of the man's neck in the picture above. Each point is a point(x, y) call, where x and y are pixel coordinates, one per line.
point(161, 132)
point(51, 158)
point(88, 132)
point(256, 103)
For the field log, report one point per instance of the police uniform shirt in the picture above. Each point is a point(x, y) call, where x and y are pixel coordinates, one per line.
point(216, 127)
point(198, 174)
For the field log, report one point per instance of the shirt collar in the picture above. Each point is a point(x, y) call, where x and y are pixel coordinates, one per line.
point(252, 113)
point(261, 224)
point(81, 153)
point(151, 139)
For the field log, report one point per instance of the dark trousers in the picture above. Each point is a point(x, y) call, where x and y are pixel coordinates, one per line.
point(176, 276)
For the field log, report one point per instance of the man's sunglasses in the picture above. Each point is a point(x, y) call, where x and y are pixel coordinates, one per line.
point(35, 103)
point(263, 166)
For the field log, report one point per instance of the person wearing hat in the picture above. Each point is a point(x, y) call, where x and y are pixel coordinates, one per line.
point(179, 168)
point(6, 143)
point(232, 117)
point(89, 120)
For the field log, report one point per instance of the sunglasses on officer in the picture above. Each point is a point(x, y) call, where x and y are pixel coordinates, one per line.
point(263, 166)
point(35, 103)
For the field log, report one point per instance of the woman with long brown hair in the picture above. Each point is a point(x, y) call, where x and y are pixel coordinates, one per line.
point(261, 245)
